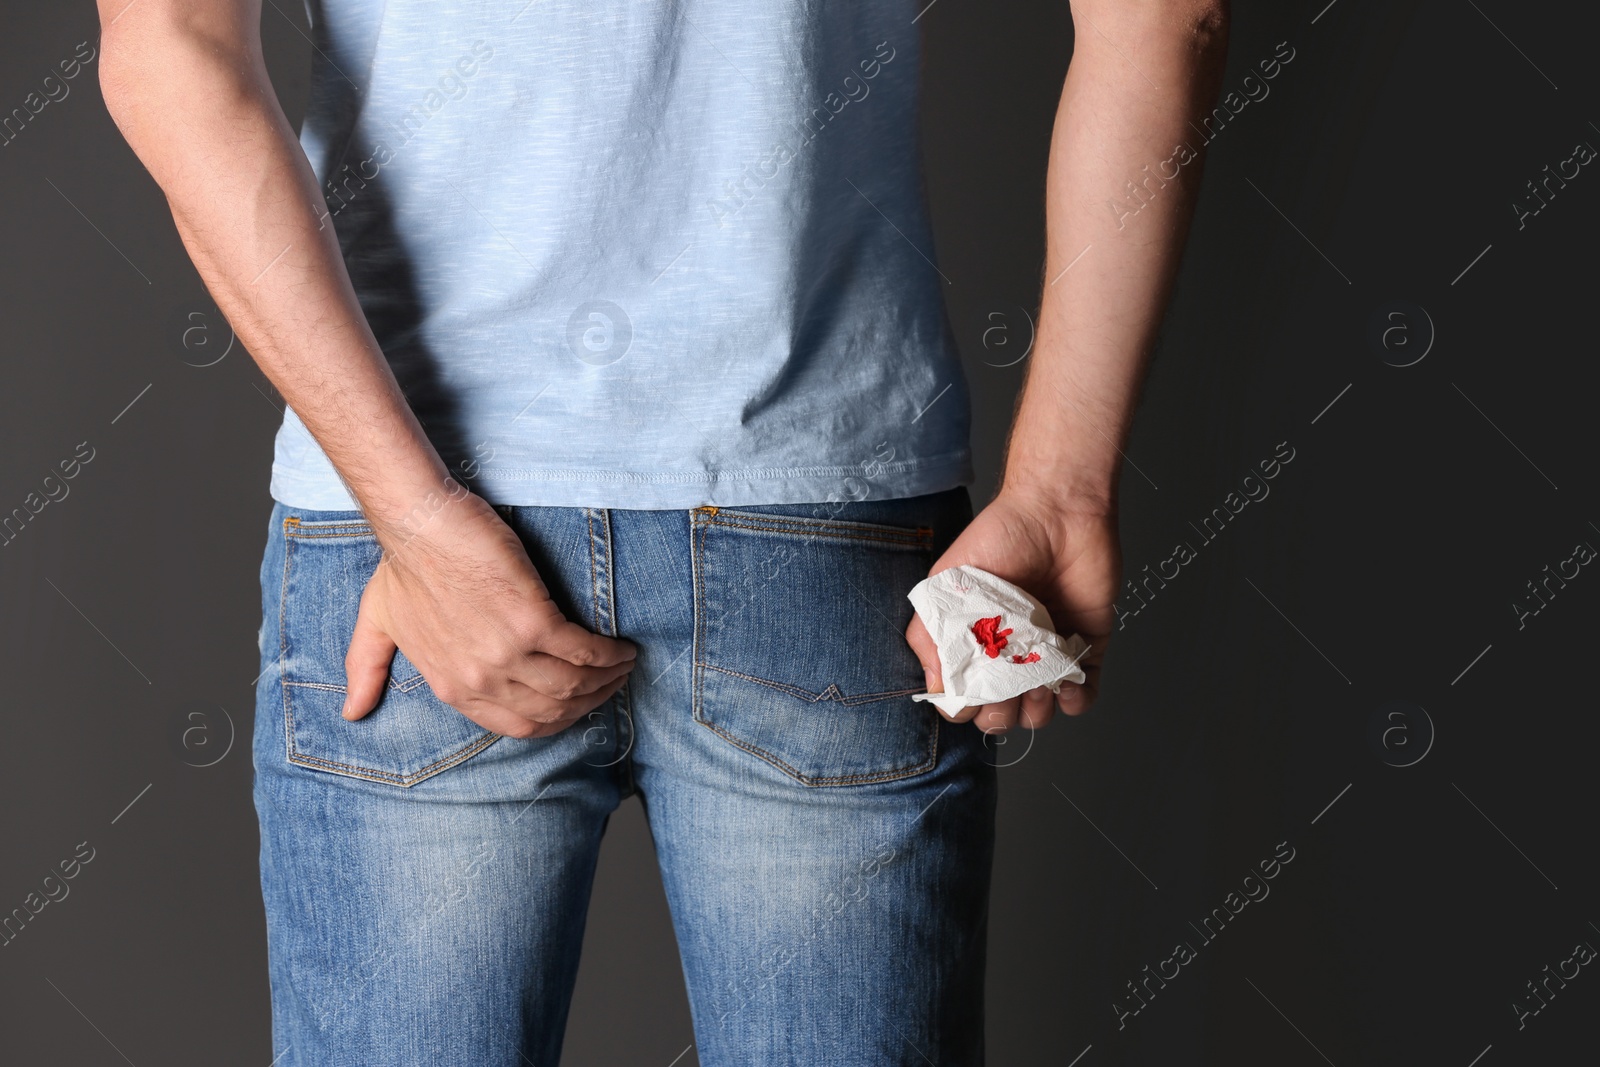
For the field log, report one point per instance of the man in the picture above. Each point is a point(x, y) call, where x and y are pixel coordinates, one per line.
point(609, 334)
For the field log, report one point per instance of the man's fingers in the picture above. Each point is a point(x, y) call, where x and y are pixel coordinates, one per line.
point(573, 710)
point(585, 648)
point(570, 711)
point(366, 666)
point(922, 643)
point(1076, 697)
point(998, 718)
point(556, 678)
point(534, 715)
point(966, 714)
point(1038, 706)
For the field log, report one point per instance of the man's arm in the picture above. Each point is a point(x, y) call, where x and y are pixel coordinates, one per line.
point(1141, 70)
point(186, 83)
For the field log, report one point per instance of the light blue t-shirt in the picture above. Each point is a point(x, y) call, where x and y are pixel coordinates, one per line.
point(640, 254)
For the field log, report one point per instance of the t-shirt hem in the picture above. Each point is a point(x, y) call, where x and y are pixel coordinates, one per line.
point(668, 490)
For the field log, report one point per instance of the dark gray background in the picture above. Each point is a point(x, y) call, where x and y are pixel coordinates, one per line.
point(1237, 703)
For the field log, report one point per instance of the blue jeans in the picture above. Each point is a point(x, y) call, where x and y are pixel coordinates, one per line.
point(825, 842)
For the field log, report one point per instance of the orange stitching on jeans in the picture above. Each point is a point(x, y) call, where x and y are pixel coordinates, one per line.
point(324, 686)
point(346, 536)
point(344, 530)
point(826, 524)
point(815, 698)
point(917, 540)
point(328, 687)
point(609, 591)
point(697, 540)
point(283, 640)
point(372, 774)
point(846, 779)
point(594, 576)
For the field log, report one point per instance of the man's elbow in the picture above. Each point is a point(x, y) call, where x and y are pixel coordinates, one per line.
point(131, 48)
point(1205, 23)
point(156, 47)
point(119, 81)
point(1199, 26)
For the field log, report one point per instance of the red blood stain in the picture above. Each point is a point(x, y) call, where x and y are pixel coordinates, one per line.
point(990, 636)
point(1031, 657)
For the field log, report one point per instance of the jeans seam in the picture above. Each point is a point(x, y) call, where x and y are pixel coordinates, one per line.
point(408, 686)
point(594, 574)
point(621, 700)
point(922, 538)
point(372, 774)
point(815, 698)
point(697, 538)
point(837, 779)
point(283, 643)
point(293, 527)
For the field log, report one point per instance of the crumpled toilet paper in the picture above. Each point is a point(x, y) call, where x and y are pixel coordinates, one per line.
point(995, 640)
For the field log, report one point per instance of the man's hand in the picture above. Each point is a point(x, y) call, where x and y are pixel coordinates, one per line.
point(1115, 222)
point(463, 600)
point(459, 595)
point(1067, 558)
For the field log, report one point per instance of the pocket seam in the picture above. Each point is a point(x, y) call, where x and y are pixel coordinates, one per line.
point(845, 779)
point(352, 528)
point(372, 774)
point(815, 698)
point(329, 687)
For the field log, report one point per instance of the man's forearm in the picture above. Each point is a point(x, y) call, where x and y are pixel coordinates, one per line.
point(1118, 204)
point(185, 83)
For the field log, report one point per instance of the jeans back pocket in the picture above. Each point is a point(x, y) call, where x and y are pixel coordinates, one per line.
point(411, 735)
point(800, 655)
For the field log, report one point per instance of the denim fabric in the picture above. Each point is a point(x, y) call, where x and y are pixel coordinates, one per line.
point(825, 842)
